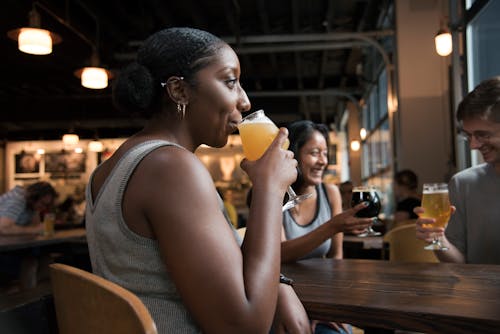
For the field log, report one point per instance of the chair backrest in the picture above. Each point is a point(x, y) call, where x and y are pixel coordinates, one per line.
point(405, 247)
point(87, 303)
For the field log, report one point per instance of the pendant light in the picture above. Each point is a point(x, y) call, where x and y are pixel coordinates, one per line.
point(70, 140)
point(95, 146)
point(93, 76)
point(33, 39)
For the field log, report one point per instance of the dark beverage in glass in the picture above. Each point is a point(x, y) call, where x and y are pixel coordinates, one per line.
point(370, 195)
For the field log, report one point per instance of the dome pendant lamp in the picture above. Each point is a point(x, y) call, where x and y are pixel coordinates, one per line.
point(33, 39)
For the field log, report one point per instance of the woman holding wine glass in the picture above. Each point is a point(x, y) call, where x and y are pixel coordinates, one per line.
point(315, 226)
point(155, 223)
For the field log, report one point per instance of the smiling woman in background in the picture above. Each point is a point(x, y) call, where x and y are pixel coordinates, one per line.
point(314, 227)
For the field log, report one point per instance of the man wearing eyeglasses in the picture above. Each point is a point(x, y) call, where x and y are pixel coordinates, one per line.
point(473, 232)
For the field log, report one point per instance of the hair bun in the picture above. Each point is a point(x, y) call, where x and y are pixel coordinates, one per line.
point(134, 89)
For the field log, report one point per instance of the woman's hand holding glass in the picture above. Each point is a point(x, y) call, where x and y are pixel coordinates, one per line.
point(275, 169)
point(348, 222)
point(257, 132)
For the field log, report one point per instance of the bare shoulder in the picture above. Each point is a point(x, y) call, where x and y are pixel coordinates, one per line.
point(332, 190)
point(173, 165)
point(334, 197)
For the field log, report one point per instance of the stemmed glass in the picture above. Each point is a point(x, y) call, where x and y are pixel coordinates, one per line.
point(257, 132)
point(436, 204)
point(367, 194)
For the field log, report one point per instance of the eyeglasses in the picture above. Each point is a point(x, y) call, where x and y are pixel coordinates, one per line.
point(480, 136)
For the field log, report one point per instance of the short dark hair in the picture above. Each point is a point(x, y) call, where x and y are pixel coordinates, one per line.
point(482, 103)
point(299, 132)
point(38, 190)
point(169, 52)
point(407, 178)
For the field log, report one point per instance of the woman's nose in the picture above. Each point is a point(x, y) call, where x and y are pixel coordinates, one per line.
point(244, 103)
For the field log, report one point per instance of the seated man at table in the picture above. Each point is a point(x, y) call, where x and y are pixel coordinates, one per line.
point(473, 232)
point(21, 208)
point(20, 211)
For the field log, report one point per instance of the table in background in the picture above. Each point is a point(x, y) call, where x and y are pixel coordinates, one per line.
point(16, 242)
point(363, 247)
point(425, 297)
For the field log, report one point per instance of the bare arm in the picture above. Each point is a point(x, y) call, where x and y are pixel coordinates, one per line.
point(226, 289)
point(293, 249)
point(9, 227)
point(336, 249)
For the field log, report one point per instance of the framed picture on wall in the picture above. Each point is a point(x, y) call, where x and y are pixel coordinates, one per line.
point(65, 162)
point(27, 163)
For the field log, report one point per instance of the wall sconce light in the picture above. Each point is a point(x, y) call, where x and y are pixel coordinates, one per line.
point(443, 41)
point(362, 133)
point(33, 39)
point(355, 145)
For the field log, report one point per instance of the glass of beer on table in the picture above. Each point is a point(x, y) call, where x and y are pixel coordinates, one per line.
point(436, 204)
point(257, 132)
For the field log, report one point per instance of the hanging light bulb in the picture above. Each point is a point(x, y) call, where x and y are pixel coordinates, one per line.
point(70, 139)
point(96, 146)
point(33, 39)
point(93, 76)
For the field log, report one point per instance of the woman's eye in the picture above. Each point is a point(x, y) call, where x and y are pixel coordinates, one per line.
point(231, 83)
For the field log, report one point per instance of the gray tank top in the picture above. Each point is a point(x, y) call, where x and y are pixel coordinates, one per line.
point(323, 214)
point(128, 259)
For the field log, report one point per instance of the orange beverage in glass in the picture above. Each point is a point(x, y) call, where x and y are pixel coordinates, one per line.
point(436, 204)
point(48, 224)
point(256, 138)
point(257, 132)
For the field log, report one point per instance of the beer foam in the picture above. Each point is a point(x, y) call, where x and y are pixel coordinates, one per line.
point(435, 191)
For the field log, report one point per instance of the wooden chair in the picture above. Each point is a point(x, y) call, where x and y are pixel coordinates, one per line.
point(405, 247)
point(86, 303)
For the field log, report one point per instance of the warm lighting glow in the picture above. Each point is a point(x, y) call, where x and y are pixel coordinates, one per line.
point(362, 133)
point(40, 151)
point(35, 41)
point(227, 165)
point(444, 44)
point(78, 150)
point(355, 145)
point(96, 146)
point(94, 78)
point(70, 139)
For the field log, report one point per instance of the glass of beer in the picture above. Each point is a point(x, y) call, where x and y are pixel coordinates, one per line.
point(48, 224)
point(367, 194)
point(436, 204)
point(257, 132)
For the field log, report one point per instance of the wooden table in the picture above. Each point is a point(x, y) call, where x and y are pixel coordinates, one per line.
point(426, 297)
point(16, 242)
